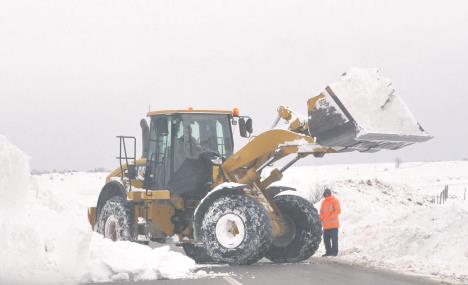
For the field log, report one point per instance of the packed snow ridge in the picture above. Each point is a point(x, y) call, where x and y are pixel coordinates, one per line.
point(46, 239)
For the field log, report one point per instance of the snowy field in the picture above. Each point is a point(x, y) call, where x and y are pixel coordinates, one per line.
point(387, 222)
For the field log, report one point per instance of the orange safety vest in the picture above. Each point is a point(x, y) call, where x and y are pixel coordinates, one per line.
point(329, 212)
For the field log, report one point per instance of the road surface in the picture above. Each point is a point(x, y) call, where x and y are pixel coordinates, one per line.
point(315, 271)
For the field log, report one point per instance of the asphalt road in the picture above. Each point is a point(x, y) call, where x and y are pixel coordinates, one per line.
point(315, 271)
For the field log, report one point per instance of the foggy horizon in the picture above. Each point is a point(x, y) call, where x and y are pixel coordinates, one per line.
point(73, 75)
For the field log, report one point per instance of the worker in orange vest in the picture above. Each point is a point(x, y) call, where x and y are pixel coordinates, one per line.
point(329, 212)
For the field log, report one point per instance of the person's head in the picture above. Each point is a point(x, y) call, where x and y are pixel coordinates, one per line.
point(326, 193)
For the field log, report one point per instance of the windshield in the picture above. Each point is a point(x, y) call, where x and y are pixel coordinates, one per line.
point(205, 133)
point(179, 140)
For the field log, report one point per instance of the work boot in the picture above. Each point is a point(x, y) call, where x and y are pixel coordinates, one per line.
point(326, 254)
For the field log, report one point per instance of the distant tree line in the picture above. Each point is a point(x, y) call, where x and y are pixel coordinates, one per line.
point(65, 171)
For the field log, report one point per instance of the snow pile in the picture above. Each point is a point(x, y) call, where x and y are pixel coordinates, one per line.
point(117, 261)
point(46, 237)
point(387, 219)
point(372, 102)
point(112, 261)
point(14, 174)
point(37, 244)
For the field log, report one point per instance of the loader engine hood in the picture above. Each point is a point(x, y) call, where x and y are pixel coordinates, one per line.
point(363, 112)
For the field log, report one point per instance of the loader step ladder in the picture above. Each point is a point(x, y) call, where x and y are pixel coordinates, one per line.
point(129, 172)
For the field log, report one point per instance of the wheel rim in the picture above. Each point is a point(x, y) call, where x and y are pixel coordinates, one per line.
point(111, 228)
point(230, 231)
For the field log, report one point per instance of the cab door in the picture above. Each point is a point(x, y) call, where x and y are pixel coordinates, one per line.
point(159, 161)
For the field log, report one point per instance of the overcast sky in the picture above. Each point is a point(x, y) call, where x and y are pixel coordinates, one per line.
point(73, 74)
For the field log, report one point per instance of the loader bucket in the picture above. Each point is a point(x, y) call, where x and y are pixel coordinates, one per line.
point(362, 112)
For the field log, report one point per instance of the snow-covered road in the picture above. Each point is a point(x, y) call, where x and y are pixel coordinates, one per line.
point(316, 271)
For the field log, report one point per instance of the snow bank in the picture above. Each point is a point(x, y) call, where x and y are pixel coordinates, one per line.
point(46, 238)
point(112, 261)
point(14, 175)
point(37, 244)
point(117, 261)
point(387, 220)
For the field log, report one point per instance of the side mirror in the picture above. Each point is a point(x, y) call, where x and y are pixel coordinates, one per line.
point(245, 127)
point(248, 126)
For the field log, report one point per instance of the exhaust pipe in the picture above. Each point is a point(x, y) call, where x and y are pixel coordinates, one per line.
point(144, 138)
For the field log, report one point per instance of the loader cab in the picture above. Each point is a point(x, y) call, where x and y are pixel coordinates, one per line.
point(182, 147)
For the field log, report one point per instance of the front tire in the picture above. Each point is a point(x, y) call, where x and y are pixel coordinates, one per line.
point(304, 230)
point(197, 253)
point(236, 230)
point(115, 220)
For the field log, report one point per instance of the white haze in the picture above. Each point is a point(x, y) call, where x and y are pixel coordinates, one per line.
point(73, 74)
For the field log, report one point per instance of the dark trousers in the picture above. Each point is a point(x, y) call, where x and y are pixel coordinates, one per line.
point(330, 239)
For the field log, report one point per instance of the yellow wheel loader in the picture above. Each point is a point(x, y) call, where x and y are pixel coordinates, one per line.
point(189, 182)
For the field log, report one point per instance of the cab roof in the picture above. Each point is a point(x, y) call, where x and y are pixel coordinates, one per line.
point(188, 111)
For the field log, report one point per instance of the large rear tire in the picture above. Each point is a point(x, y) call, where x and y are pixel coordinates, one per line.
point(304, 230)
point(236, 230)
point(115, 220)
